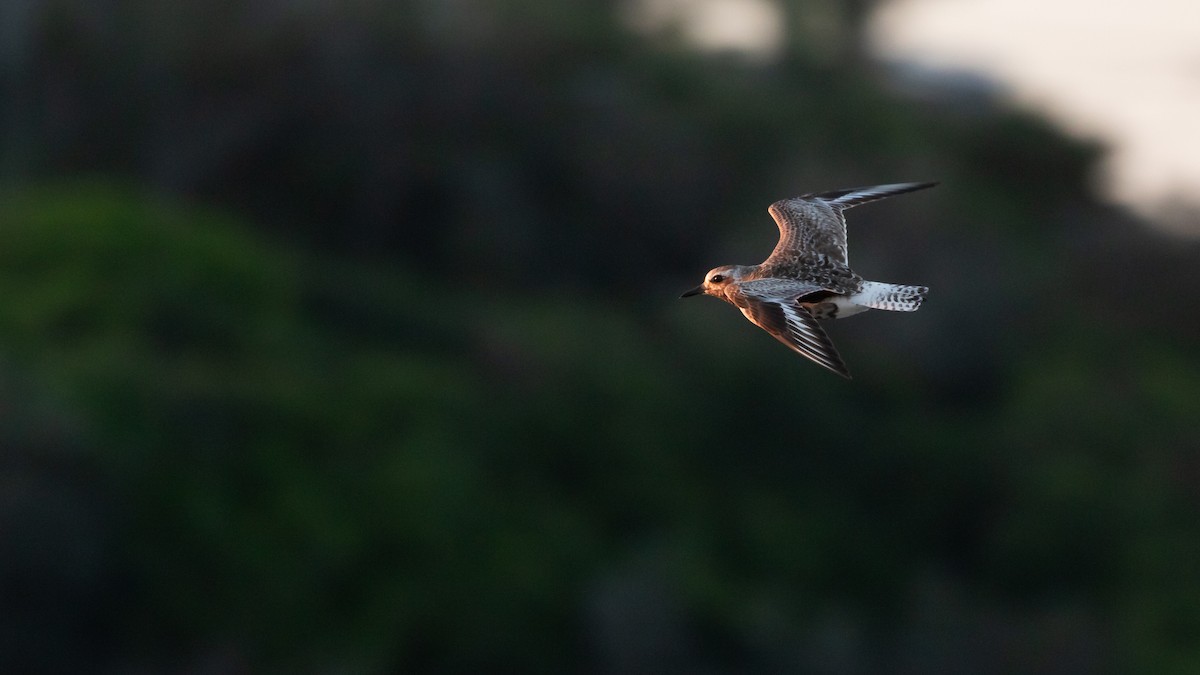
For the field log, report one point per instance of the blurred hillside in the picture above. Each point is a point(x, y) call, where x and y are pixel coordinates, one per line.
point(344, 337)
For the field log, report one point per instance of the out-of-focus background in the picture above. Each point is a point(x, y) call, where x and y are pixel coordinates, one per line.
point(343, 337)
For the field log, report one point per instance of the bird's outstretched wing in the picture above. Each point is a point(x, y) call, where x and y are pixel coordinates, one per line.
point(795, 327)
point(814, 224)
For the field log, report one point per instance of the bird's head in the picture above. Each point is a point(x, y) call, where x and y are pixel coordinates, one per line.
point(717, 279)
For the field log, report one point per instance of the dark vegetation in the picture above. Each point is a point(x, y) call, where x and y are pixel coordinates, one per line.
point(343, 337)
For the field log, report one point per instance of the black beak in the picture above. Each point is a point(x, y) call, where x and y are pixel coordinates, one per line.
point(695, 291)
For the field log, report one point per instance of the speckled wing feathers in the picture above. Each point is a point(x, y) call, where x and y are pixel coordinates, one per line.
point(779, 289)
point(792, 325)
point(808, 226)
point(813, 224)
point(771, 304)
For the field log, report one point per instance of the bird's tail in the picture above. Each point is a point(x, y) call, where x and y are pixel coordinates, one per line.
point(892, 297)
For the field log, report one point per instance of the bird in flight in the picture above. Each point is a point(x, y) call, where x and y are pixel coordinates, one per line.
point(807, 277)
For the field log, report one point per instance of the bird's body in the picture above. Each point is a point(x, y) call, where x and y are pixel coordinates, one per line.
point(808, 277)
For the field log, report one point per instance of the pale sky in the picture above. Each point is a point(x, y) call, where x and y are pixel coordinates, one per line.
point(1124, 72)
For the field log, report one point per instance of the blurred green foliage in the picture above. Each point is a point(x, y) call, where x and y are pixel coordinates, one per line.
point(430, 405)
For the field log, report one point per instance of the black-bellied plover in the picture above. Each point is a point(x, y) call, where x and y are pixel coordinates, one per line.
point(807, 276)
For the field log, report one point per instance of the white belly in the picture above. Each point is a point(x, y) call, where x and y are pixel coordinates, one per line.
point(836, 307)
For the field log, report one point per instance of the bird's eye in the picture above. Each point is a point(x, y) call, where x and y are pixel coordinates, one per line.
point(716, 279)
